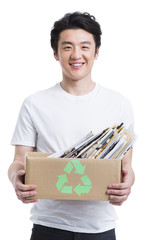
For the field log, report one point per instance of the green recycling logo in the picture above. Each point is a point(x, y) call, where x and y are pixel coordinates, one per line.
point(79, 169)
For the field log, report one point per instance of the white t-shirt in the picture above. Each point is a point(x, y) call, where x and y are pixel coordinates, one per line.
point(52, 120)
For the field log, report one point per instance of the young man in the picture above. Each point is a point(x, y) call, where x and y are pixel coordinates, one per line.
point(52, 120)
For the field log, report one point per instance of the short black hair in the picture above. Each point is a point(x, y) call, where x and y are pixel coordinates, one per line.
point(76, 20)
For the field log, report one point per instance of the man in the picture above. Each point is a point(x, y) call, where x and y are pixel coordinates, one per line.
point(53, 119)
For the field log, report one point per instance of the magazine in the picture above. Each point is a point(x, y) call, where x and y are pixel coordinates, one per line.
point(113, 142)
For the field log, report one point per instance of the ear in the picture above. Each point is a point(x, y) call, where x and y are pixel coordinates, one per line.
point(97, 53)
point(56, 56)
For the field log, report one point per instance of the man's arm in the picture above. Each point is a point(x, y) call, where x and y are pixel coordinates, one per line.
point(16, 175)
point(120, 192)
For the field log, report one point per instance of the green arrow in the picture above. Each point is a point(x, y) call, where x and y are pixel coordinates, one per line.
point(68, 168)
point(86, 181)
point(82, 189)
point(78, 166)
point(66, 189)
point(61, 181)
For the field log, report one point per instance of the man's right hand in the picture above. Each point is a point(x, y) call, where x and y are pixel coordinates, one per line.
point(23, 191)
point(16, 175)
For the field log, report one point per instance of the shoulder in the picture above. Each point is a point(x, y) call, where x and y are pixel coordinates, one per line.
point(120, 105)
point(112, 95)
point(40, 96)
point(115, 102)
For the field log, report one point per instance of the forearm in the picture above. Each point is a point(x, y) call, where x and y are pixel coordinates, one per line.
point(16, 174)
point(131, 175)
point(127, 164)
point(14, 168)
point(19, 160)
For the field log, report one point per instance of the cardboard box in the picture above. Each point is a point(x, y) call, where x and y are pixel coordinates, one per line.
point(71, 178)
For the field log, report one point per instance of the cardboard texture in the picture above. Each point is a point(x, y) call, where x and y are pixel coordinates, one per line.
point(71, 178)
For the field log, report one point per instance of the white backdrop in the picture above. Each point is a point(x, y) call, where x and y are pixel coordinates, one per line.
point(129, 62)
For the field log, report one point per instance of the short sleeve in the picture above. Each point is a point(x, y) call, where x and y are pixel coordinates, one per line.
point(25, 132)
point(128, 115)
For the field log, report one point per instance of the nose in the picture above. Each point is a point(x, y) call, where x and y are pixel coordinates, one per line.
point(76, 54)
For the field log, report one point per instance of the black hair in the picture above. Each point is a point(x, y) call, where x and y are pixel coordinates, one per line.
point(76, 20)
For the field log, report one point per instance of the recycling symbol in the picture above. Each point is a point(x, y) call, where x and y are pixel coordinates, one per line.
point(63, 180)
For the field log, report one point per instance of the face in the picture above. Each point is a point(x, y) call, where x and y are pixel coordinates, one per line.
point(76, 54)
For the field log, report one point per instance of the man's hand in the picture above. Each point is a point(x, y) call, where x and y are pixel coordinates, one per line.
point(16, 175)
point(23, 191)
point(120, 192)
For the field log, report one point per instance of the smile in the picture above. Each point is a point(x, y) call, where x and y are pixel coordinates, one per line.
point(76, 64)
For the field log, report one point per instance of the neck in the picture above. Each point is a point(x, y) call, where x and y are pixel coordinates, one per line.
point(78, 88)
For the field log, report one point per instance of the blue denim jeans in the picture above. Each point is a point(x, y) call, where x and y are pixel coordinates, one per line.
point(46, 233)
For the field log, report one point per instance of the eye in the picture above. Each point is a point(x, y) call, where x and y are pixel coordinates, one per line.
point(67, 48)
point(85, 47)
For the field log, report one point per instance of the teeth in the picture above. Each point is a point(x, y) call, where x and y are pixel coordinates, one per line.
point(76, 64)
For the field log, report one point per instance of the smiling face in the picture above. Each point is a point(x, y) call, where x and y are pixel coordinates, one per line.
point(76, 54)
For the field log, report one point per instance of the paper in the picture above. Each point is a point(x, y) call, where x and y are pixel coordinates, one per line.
point(112, 142)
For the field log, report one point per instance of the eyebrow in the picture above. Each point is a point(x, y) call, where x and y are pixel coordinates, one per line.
point(70, 43)
point(86, 42)
point(66, 42)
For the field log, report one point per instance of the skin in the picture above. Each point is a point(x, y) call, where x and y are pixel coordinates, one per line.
point(16, 175)
point(120, 192)
point(76, 47)
point(76, 55)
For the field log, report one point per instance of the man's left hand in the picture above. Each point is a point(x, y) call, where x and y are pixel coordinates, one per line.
point(120, 192)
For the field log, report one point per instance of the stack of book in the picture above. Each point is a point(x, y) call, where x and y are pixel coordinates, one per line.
point(112, 142)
